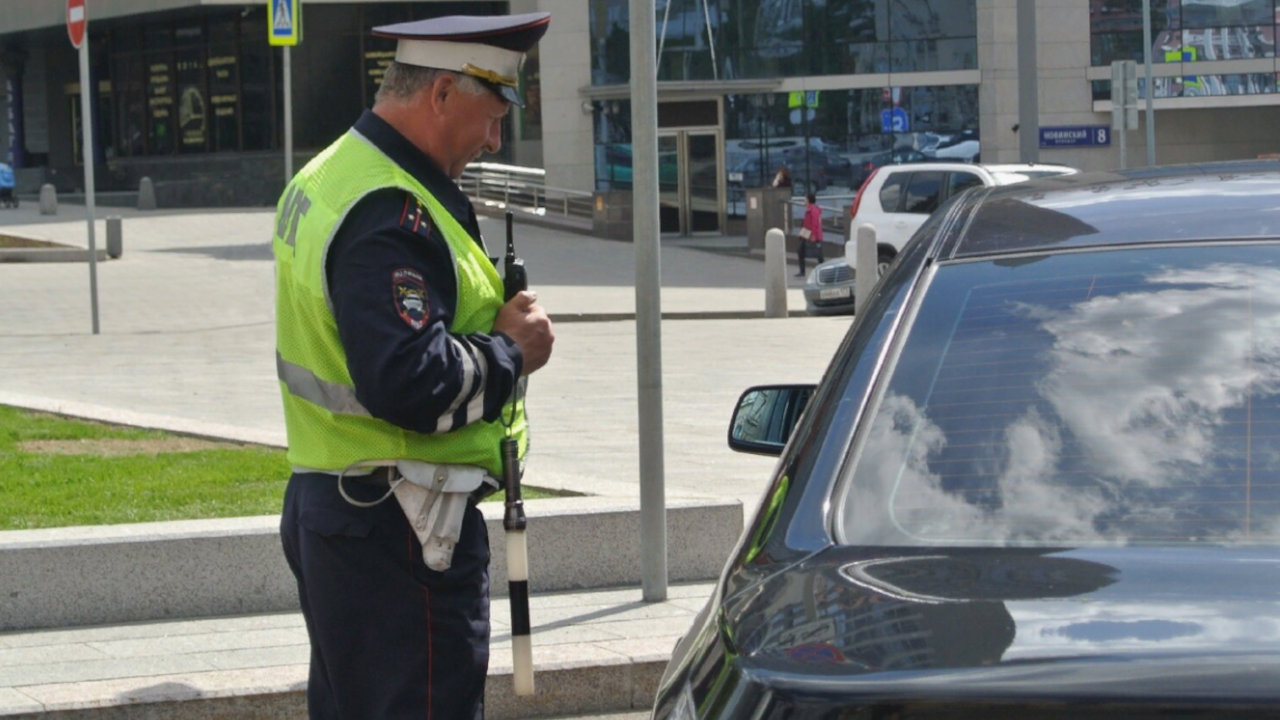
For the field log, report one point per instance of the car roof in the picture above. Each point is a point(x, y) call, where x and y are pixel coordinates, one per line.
point(1001, 173)
point(1206, 201)
point(1027, 168)
point(925, 166)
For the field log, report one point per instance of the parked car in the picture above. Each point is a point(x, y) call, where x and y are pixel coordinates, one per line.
point(894, 201)
point(962, 147)
point(1040, 478)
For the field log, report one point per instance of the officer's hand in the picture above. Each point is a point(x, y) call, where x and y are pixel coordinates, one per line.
point(526, 322)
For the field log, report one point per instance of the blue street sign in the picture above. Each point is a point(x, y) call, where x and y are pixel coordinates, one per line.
point(894, 121)
point(1075, 136)
point(282, 22)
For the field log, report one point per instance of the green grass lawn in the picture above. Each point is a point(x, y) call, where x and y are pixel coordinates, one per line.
point(57, 471)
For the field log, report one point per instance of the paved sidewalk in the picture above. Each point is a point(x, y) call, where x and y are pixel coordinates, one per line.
point(582, 643)
point(186, 343)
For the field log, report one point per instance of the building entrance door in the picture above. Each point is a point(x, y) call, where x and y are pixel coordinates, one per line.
point(690, 182)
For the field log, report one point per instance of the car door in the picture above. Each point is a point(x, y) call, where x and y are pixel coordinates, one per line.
point(920, 197)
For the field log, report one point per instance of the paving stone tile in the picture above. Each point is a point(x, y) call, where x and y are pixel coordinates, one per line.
point(13, 702)
point(47, 654)
point(201, 642)
point(91, 670)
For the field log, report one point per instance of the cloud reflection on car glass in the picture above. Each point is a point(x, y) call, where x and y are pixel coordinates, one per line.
point(1114, 407)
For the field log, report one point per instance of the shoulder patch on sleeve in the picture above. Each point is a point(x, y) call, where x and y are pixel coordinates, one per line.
point(409, 293)
point(414, 217)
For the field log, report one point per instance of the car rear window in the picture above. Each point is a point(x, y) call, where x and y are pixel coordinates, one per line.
point(1122, 396)
point(891, 192)
point(923, 192)
point(961, 181)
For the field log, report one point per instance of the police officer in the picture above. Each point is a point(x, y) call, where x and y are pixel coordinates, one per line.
point(399, 366)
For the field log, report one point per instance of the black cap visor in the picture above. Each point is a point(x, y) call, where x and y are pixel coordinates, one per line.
point(506, 92)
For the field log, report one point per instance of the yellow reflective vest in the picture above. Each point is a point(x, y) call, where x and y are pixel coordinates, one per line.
point(328, 428)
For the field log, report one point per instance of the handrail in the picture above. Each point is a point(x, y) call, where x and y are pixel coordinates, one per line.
point(524, 189)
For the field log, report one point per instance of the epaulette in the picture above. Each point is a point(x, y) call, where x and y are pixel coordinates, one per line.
point(414, 217)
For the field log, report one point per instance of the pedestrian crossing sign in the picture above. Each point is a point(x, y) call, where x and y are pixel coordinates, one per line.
point(282, 22)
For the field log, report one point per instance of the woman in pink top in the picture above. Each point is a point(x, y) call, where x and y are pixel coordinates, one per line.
point(810, 233)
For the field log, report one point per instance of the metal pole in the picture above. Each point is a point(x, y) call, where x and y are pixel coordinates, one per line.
point(764, 164)
point(1028, 90)
point(288, 117)
point(809, 185)
point(86, 146)
point(644, 145)
point(1123, 132)
point(1146, 60)
point(1120, 100)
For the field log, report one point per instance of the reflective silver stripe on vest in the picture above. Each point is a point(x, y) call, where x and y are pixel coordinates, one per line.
point(332, 396)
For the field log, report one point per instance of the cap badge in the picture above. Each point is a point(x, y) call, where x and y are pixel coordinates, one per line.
point(490, 75)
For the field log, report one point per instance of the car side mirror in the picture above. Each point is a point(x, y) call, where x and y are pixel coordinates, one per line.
point(765, 416)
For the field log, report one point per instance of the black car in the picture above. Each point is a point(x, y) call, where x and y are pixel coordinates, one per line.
point(1040, 477)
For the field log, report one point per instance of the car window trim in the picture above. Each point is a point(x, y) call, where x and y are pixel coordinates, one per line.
point(950, 258)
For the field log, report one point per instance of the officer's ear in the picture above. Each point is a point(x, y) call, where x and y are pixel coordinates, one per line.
point(442, 89)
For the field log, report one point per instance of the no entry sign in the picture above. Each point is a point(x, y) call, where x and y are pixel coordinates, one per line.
point(77, 20)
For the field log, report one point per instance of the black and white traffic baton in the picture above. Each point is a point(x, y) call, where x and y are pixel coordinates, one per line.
point(513, 519)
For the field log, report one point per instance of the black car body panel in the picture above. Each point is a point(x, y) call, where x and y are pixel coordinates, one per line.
point(1123, 208)
point(1099, 627)
point(813, 618)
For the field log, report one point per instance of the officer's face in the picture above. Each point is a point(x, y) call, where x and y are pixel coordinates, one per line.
point(475, 126)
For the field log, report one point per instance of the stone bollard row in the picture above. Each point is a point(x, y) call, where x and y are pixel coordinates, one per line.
point(115, 237)
point(867, 258)
point(48, 199)
point(775, 272)
point(146, 194)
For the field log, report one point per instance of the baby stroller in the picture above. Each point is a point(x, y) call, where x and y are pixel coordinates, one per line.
point(7, 198)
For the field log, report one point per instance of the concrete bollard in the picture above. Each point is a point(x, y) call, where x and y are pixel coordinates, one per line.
point(146, 194)
point(775, 273)
point(48, 200)
point(115, 237)
point(868, 262)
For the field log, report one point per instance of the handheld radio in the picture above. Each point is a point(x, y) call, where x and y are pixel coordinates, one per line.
point(514, 278)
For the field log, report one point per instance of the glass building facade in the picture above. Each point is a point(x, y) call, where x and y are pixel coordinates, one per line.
point(203, 81)
point(189, 94)
point(827, 138)
point(1188, 33)
point(726, 39)
point(192, 96)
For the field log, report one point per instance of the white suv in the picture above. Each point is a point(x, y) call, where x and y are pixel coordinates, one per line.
point(895, 200)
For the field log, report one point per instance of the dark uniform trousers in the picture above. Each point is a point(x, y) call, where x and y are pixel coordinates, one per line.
point(390, 638)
